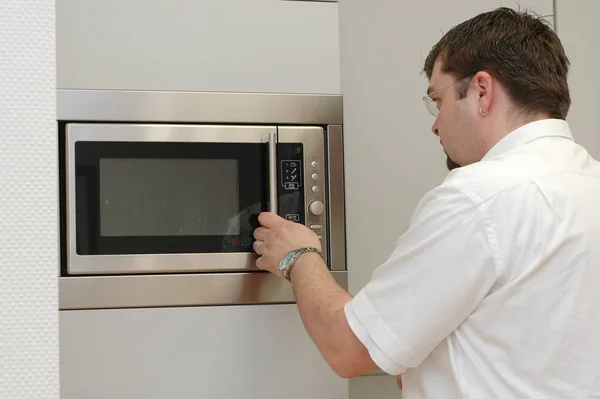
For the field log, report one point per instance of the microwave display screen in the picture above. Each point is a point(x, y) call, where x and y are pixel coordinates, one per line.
point(168, 197)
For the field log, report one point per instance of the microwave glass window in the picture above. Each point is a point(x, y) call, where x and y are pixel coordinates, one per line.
point(169, 197)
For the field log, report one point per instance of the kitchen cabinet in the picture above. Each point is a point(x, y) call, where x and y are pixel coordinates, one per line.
point(579, 32)
point(190, 45)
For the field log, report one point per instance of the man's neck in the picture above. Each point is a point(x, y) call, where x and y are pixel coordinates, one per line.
point(506, 124)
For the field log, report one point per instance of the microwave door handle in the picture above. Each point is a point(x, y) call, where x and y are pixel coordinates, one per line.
point(272, 140)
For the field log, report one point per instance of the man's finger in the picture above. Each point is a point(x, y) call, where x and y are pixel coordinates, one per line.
point(260, 233)
point(269, 220)
point(255, 246)
point(259, 263)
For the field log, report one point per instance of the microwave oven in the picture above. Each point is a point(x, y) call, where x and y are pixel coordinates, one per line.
point(163, 190)
point(166, 198)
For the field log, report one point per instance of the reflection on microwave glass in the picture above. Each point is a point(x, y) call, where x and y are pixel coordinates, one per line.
point(166, 197)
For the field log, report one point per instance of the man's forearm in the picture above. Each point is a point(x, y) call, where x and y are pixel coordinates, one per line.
point(321, 305)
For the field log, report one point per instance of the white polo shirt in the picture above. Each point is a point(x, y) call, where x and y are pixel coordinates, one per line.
point(494, 290)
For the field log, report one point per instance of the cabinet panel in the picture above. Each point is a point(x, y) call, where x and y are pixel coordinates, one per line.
point(579, 32)
point(191, 45)
point(235, 352)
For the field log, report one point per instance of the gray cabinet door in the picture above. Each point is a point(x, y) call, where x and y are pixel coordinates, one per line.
point(234, 352)
point(190, 45)
point(578, 29)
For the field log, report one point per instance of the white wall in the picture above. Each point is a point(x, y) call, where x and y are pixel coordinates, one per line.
point(392, 158)
point(192, 45)
point(577, 27)
point(28, 202)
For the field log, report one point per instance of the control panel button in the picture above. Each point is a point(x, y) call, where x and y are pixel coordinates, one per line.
point(293, 217)
point(316, 208)
point(316, 227)
point(315, 176)
point(314, 164)
point(290, 174)
point(315, 189)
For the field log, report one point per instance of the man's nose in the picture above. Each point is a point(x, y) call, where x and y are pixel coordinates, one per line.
point(434, 128)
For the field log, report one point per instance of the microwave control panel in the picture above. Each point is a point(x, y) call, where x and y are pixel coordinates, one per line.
point(302, 185)
point(291, 176)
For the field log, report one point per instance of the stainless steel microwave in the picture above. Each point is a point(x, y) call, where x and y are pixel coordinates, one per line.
point(177, 198)
point(171, 184)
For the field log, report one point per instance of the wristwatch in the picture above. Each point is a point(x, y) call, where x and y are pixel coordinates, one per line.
point(286, 264)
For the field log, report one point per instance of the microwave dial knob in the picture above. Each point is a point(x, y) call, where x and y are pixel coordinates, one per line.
point(316, 208)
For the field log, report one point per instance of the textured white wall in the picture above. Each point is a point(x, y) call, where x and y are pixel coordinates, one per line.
point(28, 202)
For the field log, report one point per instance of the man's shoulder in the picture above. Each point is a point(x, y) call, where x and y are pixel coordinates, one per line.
point(483, 180)
point(521, 167)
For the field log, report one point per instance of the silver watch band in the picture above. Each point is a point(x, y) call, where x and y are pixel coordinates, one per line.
point(295, 254)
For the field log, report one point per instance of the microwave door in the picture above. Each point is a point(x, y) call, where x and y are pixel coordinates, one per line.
point(166, 198)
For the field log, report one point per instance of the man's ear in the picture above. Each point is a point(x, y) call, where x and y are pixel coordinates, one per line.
point(484, 84)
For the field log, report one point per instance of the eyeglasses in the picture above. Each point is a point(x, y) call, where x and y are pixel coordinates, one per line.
point(431, 104)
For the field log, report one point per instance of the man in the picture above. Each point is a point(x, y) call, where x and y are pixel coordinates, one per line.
point(494, 290)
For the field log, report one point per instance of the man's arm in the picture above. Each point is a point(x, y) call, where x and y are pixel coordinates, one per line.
point(320, 299)
point(321, 304)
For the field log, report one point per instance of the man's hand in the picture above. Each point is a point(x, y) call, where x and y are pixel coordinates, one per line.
point(277, 237)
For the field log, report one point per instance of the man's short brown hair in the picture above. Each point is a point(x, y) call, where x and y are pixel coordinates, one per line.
point(519, 49)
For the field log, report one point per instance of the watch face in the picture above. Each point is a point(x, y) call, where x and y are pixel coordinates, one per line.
point(287, 259)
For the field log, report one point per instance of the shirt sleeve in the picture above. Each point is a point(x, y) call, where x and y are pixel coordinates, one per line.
point(440, 271)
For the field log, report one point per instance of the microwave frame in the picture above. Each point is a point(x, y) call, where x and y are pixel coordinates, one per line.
point(199, 288)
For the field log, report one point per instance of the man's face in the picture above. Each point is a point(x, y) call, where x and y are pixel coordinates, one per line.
point(453, 124)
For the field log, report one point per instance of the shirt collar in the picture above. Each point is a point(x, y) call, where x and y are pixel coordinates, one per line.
point(530, 132)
